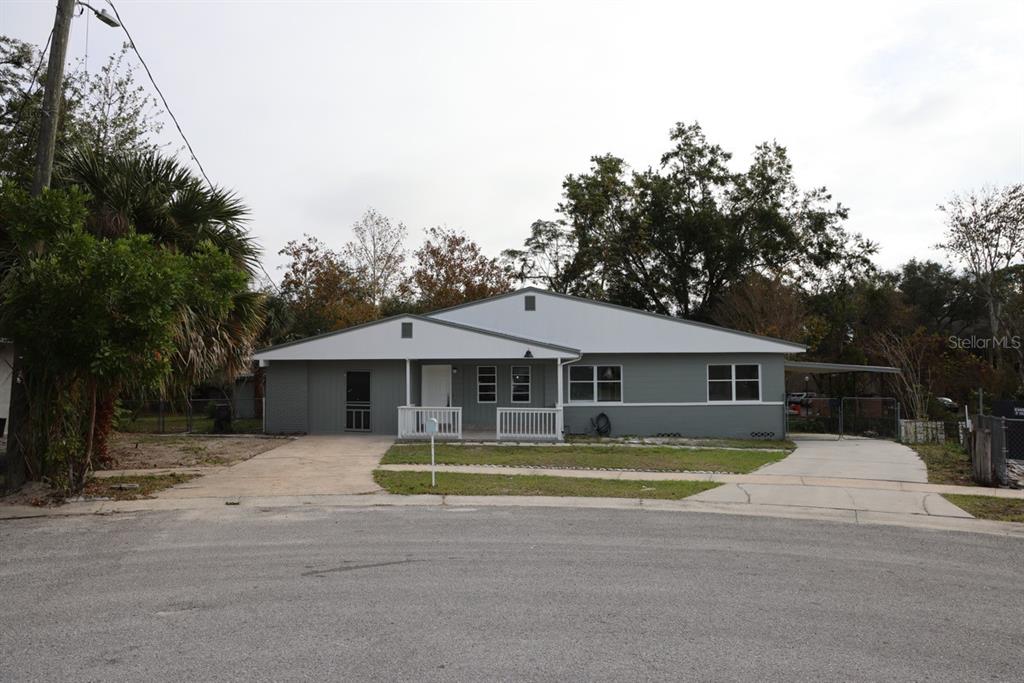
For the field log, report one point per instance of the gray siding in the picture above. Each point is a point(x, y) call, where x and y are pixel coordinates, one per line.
point(681, 378)
point(287, 395)
point(482, 415)
point(726, 421)
point(309, 396)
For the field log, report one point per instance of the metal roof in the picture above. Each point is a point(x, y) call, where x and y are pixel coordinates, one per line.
point(827, 368)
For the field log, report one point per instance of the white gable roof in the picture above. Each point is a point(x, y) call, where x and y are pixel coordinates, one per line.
point(431, 340)
point(596, 327)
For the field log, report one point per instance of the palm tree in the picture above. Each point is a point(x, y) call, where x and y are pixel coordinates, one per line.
point(152, 194)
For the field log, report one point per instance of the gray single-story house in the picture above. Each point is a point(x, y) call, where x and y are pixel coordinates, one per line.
point(530, 364)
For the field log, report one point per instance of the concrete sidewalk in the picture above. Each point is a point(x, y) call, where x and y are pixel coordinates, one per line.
point(822, 493)
point(205, 507)
point(734, 479)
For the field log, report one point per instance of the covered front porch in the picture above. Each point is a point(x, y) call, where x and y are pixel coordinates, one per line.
point(483, 399)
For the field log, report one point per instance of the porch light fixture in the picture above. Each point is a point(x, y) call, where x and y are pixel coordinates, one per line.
point(528, 354)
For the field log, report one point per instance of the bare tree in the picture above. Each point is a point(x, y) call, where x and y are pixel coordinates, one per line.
point(913, 383)
point(546, 256)
point(764, 305)
point(377, 254)
point(986, 232)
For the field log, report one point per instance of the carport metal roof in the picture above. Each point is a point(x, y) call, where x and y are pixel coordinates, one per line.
point(834, 368)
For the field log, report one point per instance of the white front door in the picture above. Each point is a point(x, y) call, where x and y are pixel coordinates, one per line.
point(436, 386)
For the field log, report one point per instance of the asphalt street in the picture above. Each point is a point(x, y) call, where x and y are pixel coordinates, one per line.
point(501, 593)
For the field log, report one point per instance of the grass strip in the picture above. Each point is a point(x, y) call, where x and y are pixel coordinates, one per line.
point(782, 444)
point(989, 507)
point(458, 484)
point(947, 463)
point(587, 457)
point(141, 486)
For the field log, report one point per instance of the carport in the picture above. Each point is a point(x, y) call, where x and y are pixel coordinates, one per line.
point(843, 409)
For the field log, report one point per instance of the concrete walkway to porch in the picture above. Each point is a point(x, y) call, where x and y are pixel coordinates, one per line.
point(308, 465)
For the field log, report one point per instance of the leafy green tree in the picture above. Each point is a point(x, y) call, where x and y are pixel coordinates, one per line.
point(106, 111)
point(673, 239)
point(151, 194)
point(942, 300)
point(92, 316)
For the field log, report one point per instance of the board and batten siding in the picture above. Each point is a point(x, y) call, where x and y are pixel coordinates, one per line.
point(309, 396)
point(667, 394)
point(287, 394)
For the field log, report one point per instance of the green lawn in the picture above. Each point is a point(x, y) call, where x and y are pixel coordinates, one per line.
point(584, 457)
point(454, 483)
point(947, 463)
point(989, 507)
point(178, 424)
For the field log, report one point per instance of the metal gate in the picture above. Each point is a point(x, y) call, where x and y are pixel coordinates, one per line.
point(872, 417)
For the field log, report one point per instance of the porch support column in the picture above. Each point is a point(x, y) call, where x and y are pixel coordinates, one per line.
point(558, 401)
point(408, 383)
point(559, 419)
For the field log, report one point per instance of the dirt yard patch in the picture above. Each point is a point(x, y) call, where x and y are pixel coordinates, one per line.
point(156, 451)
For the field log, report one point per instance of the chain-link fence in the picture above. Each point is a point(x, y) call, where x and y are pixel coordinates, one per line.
point(814, 415)
point(876, 417)
point(226, 415)
point(873, 417)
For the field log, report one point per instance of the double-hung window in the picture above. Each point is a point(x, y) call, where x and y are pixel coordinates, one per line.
point(520, 383)
point(734, 382)
point(486, 384)
point(595, 383)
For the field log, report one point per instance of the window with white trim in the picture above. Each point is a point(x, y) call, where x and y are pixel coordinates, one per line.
point(595, 383)
point(520, 383)
point(734, 382)
point(487, 384)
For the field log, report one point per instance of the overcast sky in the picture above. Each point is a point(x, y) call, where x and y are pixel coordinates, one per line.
point(471, 114)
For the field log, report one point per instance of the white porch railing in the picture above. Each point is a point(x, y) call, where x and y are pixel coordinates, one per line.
point(412, 422)
point(529, 423)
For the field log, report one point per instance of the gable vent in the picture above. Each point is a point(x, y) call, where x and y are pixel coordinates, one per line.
point(406, 330)
point(530, 302)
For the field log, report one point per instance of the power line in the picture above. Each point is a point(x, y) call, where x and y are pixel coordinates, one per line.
point(167, 107)
point(27, 94)
point(131, 42)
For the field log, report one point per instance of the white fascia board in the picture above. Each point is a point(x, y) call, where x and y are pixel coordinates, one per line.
point(431, 340)
point(595, 327)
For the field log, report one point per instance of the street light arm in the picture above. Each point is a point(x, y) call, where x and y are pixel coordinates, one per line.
point(101, 14)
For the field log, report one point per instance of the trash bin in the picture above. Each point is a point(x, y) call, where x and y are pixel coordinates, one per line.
point(222, 419)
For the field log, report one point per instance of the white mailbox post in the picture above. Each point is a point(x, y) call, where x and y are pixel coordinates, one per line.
point(431, 427)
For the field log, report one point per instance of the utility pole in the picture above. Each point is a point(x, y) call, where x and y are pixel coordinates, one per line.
point(53, 91)
point(52, 94)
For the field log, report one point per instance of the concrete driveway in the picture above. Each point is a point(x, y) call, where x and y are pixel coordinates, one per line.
point(851, 458)
point(306, 466)
point(829, 464)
